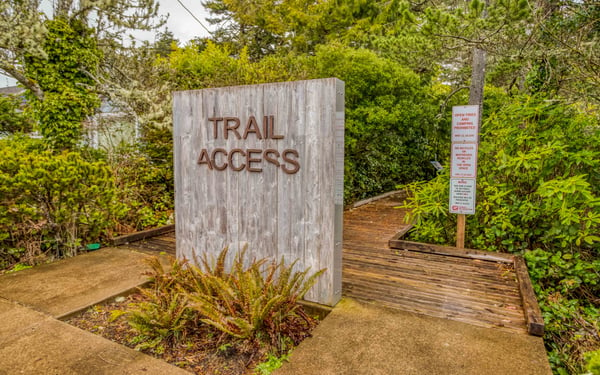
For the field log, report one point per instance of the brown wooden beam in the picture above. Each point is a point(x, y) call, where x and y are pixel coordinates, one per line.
point(531, 309)
point(402, 232)
point(461, 223)
point(373, 199)
point(451, 251)
point(138, 236)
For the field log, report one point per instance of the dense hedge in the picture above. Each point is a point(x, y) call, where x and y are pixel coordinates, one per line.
point(390, 121)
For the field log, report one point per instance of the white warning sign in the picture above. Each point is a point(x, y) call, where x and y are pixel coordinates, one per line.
point(462, 196)
point(465, 123)
point(463, 160)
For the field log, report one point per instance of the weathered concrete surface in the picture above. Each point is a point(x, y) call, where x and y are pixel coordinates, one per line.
point(69, 285)
point(355, 338)
point(358, 338)
point(32, 342)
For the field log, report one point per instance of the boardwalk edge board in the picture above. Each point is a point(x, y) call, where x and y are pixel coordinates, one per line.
point(450, 251)
point(533, 314)
point(373, 199)
point(138, 236)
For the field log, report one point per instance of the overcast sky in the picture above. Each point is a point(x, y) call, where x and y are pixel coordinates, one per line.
point(180, 22)
point(183, 26)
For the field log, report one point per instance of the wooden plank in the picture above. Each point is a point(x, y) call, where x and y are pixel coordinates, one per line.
point(442, 315)
point(429, 260)
point(451, 251)
point(465, 293)
point(533, 314)
point(402, 232)
point(169, 237)
point(446, 300)
point(147, 246)
point(458, 279)
point(376, 198)
point(433, 279)
point(439, 304)
point(457, 271)
point(414, 256)
point(156, 242)
point(138, 236)
point(443, 309)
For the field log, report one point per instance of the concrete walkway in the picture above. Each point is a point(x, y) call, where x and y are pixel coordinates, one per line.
point(34, 341)
point(362, 338)
point(355, 338)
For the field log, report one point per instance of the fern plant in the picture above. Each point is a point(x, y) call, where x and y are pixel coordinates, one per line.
point(164, 317)
point(257, 302)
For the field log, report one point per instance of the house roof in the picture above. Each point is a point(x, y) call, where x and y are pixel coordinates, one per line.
point(11, 90)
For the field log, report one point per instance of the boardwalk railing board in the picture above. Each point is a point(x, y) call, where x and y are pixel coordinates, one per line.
point(402, 232)
point(375, 198)
point(451, 251)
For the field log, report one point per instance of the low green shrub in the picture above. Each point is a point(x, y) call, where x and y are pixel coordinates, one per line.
point(257, 303)
point(145, 186)
point(164, 318)
point(51, 204)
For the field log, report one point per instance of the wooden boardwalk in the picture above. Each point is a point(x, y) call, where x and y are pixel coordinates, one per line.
point(480, 292)
point(475, 291)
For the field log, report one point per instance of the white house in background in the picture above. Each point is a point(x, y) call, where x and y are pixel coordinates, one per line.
point(11, 90)
point(107, 129)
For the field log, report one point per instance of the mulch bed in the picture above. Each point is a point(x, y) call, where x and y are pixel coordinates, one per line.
point(206, 351)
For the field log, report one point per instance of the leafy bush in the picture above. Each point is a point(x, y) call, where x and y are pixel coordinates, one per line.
point(51, 204)
point(390, 120)
point(145, 186)
point(593, 362)
point(538, 194)
point(538, 182)
point(252, 305)
point(12, 120)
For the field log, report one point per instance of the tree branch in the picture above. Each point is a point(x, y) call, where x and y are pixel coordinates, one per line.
point(445, 103)
point(19, 76)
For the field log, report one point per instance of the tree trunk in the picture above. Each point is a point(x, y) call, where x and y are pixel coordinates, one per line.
point(477, 78)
